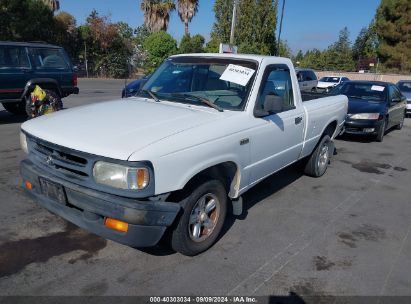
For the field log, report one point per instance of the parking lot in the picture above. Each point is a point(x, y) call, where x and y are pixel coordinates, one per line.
point(347, 233)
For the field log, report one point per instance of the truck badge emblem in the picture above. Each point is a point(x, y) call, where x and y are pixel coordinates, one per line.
point(49, 160)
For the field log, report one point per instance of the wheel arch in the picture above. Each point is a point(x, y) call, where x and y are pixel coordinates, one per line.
point(330, 129)
point(227, 172)
point(44, 83)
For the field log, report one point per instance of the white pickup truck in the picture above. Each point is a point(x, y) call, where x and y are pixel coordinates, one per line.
point(168, 162)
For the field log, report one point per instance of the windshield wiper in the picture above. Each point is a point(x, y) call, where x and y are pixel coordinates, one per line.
point(152, 95)
point(201, 99)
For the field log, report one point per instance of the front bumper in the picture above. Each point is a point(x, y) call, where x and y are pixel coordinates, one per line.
point(147, 220)
point(408, 107)
point(362, 126)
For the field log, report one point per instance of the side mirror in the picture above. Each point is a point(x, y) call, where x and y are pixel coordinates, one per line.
point(75, 68)
point(395, 100)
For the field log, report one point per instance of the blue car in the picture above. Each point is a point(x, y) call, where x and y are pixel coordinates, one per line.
point(373, 107)
point(133, 87)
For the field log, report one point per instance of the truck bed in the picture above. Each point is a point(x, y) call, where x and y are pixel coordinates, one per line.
point(306, 96)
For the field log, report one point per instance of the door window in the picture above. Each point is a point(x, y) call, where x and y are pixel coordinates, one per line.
point(48, 59)
point(276, 91)
point(310, 76)
point(395, 94)
point(12, 57)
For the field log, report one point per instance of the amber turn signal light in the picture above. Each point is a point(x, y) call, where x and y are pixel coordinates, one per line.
point(28, 185)
point(116, 225)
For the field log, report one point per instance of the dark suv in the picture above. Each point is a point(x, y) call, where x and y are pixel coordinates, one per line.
point(24, 65)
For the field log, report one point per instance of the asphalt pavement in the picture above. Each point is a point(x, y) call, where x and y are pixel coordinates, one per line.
point(344, 234)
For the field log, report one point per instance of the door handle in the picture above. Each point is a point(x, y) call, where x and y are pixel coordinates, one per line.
point(298, 120)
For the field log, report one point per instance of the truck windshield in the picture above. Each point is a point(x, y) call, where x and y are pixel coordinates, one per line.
point(222, 83)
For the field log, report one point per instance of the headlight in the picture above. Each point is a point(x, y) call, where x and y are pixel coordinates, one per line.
point(23, 142)
point(122, 177)
point(373, 116)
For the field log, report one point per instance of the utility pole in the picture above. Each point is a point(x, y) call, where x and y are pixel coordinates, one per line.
point(281, 27)
point(233, 21)
point(85, 57)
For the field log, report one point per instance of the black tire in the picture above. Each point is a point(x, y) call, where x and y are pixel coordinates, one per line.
point(381, 132)
point(27, 104)
point(184, 238)
point(401, 124)
point(18, 108)
point(318, 162)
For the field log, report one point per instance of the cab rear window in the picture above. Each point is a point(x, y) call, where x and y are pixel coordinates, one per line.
point(48, 59)
point(13, 57)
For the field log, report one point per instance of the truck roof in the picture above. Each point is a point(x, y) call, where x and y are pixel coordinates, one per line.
point(236, 56)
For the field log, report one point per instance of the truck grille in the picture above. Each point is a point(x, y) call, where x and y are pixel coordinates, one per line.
point(59, 160)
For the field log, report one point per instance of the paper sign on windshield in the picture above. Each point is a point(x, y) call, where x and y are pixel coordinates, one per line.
point(377, 88)
point(237, 74)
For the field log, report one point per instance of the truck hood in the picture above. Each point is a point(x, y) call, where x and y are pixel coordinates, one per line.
point(116, 129)
point(323, 85)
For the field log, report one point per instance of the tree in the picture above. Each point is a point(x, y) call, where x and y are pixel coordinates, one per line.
point(109, 47)
point(54, 5)
point(255, 28)
point(67, 34)
point(222, 26)
point(125, 30)
point(193, 44)
point(298, 58)
point(157, 14)
point(393, 27)
point(26, 20)
point(339, 56)
point(159, 46)
point(285, 50)
point(187, 10)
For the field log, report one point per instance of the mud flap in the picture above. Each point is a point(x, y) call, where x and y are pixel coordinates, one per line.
point(237, 206)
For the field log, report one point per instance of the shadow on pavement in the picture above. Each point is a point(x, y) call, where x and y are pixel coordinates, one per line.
point(364, 139)
point(8, 118)
point(262, 190)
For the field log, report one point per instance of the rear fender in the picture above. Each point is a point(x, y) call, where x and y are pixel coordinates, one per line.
point(44, 83)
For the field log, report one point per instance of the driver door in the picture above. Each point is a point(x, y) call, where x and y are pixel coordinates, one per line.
point(278, 141)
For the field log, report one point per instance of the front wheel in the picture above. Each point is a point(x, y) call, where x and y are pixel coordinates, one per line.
point(318, 161)
point(381, 132)
point(204, 212)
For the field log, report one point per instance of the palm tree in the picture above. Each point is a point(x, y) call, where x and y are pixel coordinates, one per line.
point(53, 4)
point(157, 14)
point(187, 10)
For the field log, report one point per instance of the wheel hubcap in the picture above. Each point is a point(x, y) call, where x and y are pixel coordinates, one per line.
point(323, 158)
point(204, 217)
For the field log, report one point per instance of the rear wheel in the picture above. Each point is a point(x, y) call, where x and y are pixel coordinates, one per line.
point(319, 160)
point(18, 108)
point(401, 124)
point(204, 212)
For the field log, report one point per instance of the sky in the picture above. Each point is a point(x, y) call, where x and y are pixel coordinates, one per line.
point(307, 24)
